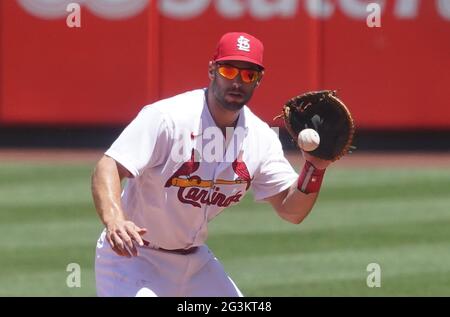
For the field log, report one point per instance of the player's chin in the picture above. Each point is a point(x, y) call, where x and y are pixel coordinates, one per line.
point(233, 106)
point(235, 97)
point(235, 102)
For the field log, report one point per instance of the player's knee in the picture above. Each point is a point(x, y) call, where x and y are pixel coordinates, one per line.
point(145, 292)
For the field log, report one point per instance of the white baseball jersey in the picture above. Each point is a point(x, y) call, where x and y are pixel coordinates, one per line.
point(186, 172)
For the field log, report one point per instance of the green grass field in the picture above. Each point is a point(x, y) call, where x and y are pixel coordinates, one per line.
point(399, 219)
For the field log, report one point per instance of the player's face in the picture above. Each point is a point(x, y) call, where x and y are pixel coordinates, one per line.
point(233, 83)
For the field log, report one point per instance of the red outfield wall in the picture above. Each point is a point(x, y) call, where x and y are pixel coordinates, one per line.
point(129, 53)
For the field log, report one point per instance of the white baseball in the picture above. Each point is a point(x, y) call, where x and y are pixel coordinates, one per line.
point(308, 140)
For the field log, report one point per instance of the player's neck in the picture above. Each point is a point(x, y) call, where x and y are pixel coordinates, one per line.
point(222, 117)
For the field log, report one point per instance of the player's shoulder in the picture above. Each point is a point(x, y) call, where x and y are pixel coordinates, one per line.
point(257, 125)
point(263, 139)
point(177, 111)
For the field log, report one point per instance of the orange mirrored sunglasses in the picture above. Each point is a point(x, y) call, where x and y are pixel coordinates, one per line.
point(230, 72)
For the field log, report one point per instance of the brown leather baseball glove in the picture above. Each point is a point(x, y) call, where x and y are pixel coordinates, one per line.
point(325, 113)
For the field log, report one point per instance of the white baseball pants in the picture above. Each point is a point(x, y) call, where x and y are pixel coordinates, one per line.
point(159, 273)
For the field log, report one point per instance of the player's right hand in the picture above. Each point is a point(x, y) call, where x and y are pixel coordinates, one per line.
point(121, 235)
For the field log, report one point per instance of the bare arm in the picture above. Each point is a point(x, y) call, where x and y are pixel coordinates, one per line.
point(293, 205)
point(106, 189)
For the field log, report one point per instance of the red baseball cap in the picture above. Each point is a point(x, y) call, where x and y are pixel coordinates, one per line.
point(239, 46)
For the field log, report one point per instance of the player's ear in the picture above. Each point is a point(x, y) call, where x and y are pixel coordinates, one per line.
point(211, 70)
point(258, 82)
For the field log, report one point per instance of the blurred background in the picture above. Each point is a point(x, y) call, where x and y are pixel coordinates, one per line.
point(70, 80)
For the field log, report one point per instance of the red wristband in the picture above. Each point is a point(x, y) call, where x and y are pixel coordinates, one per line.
point(310, 179)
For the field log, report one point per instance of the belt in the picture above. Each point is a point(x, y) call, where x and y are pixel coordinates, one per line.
point(176, 251)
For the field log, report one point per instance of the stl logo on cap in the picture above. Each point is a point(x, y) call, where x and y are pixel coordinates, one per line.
point(239, 46)
point(243, 44)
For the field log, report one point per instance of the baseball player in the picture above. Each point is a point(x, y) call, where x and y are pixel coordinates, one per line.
point(155, 231)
